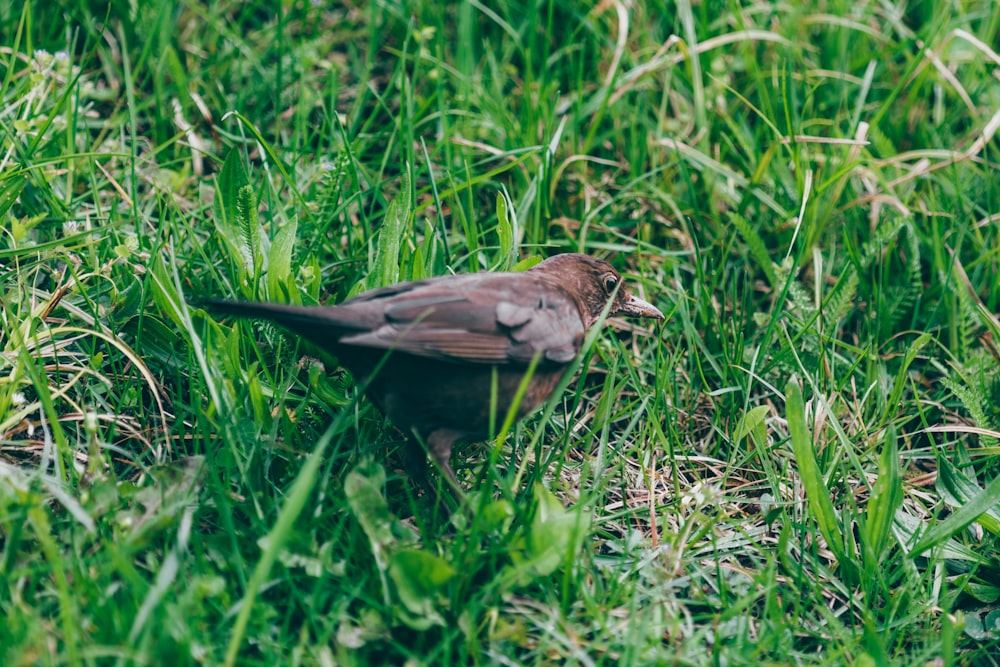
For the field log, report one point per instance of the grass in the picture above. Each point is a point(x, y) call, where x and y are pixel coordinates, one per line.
point(798, 467)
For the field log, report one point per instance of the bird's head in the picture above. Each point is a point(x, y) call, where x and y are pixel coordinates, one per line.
point(592, 282)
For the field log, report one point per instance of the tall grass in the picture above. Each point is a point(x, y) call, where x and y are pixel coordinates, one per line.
point(798, 467)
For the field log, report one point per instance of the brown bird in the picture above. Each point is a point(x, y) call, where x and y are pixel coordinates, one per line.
point(426, 351)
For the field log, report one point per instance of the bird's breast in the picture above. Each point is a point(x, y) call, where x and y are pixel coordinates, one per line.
point(421, 395)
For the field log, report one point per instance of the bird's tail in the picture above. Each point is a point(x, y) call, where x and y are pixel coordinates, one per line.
point(321, 325)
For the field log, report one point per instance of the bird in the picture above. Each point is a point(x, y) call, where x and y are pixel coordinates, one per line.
point(443, 358)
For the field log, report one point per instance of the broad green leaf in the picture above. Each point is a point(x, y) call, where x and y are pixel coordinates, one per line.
point(280, 281)
point(973, 510)
point(753, 422)
point(527, 263)
point(817, 493)
point(986, 593)
point(164, 291)
point(886, 498)
point(957, 489)
point(236, 216)
point(230, 179)
point(902, 374)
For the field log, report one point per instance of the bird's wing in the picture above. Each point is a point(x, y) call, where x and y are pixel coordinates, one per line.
point(489, 321)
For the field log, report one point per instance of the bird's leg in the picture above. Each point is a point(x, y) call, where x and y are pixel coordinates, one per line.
point(415, 462)
point(439, 444)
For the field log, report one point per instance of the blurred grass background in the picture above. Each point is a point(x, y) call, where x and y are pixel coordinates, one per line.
point(798, 467)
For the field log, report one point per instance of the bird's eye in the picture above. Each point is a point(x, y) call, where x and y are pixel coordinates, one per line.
point(610, 283)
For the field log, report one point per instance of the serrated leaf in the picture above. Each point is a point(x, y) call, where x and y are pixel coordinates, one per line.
point(390, 237)
point(363, 488)
point(249, 232)
point(419, 577)
point(505, 232)
point(552, 539)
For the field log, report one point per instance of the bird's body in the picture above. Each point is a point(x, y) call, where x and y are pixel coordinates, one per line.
point(443, 358)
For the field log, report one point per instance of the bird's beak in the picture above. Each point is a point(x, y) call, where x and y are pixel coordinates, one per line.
point(636, 307)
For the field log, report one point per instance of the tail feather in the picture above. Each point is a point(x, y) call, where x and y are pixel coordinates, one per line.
point(321, 325)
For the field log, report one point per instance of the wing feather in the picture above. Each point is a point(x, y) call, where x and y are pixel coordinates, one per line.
point(489, 320)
